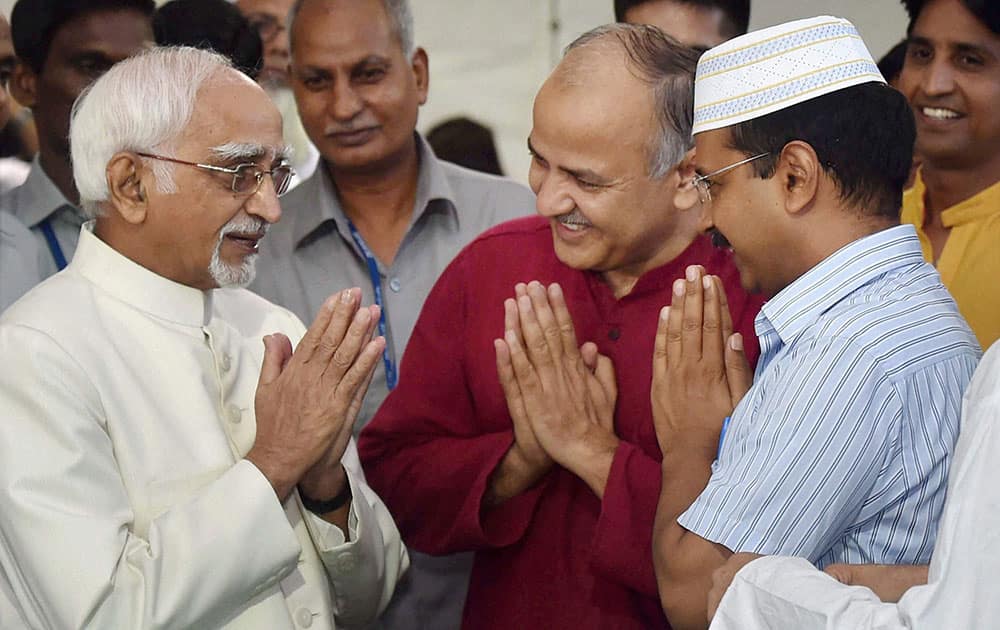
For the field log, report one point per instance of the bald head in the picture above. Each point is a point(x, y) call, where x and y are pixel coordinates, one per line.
point(590, 61)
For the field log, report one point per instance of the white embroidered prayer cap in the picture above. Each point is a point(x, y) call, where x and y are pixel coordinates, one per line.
point(773, 68)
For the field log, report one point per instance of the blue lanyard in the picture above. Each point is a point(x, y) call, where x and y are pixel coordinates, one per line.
point(722, 435)
point(50, 238)
point(390, 365)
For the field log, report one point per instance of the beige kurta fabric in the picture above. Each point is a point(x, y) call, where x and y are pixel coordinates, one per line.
point(127, 404)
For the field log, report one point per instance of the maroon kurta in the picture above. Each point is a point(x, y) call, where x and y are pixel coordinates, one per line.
point(555, 556)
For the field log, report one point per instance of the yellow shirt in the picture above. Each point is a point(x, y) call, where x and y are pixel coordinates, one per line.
point(970, 261)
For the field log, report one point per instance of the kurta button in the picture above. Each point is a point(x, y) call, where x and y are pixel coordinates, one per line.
point(225, 363)
point(234, 413)
point(304, 617)
point(345, 563)
point(614, 334)
point(395, 285)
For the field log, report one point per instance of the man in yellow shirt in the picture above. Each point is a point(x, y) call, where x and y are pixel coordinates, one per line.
point(951, 77)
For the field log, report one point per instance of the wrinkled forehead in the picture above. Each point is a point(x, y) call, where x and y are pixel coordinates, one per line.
point(234, 118)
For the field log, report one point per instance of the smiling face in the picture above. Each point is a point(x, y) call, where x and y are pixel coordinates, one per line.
point(205, 235)
point(590, 172)
point(952, 79)
point(356, 91)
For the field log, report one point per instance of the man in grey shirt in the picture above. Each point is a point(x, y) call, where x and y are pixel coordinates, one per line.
point(381, 212)
point(61, 48)
point(359, 81)
point(18, 260)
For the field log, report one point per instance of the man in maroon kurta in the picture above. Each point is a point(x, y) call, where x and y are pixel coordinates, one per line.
point(571, 546)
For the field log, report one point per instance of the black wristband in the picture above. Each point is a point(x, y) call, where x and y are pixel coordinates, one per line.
point(322, 507)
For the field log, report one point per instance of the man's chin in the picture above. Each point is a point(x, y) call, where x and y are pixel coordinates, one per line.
point(234, 276)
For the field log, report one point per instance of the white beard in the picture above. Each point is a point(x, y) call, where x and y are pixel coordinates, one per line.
point(226, 275)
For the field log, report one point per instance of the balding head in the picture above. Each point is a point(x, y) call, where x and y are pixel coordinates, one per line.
point(652, 60)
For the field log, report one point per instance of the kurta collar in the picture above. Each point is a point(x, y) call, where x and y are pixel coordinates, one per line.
point(802, 302)
point(133, 284)
point(42, 197)
point(324, 206)
point(983, 204)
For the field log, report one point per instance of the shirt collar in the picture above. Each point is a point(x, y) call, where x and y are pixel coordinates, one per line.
point(41, 197)
point(432, 186)
point(802, 302)
point(133, 284)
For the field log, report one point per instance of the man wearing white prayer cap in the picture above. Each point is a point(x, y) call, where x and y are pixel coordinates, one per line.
point(838, 451)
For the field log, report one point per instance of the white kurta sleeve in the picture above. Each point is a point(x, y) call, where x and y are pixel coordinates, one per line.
point(363, 572)
point(67, 546)
point(781, 593)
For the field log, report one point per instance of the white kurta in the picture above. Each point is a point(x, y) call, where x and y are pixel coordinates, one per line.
point(126, 407)
point(779, 593)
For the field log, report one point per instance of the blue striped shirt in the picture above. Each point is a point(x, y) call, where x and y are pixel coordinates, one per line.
point(839, 452)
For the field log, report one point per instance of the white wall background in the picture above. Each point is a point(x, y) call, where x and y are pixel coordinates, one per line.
point(488, 57)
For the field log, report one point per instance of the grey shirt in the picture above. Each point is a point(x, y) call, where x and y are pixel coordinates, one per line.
point(18, 260)
point(36, 200)
point(310, 254)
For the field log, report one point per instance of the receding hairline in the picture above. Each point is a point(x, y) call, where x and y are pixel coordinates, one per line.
point(395, 28)
point(577, 61)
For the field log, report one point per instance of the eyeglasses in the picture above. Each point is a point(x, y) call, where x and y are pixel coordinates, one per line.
point(247, 178)
point(704, 182)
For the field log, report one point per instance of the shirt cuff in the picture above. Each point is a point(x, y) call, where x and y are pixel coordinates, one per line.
point(624, 533)
point(505, 524)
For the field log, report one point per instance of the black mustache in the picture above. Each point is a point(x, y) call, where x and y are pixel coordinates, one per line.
point(718, 240)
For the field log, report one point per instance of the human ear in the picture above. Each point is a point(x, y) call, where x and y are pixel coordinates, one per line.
point(127, 180)
point(24, 85)
point(686, 193)
point(421, 70)
point(799, 172)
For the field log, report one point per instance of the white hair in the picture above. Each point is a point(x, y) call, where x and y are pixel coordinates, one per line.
point(144, 104)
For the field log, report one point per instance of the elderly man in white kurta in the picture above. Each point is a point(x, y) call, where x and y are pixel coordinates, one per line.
point(166, 460)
